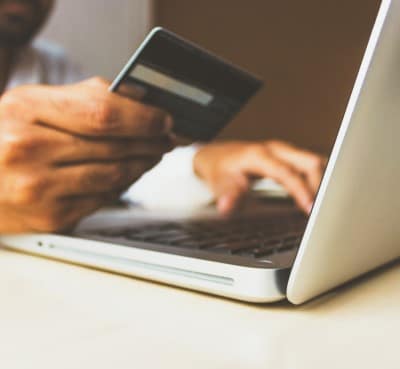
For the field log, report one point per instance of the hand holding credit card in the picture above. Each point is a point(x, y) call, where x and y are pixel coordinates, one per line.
point(201, 91)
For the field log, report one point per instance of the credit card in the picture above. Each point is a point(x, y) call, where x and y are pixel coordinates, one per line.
point(200, 90)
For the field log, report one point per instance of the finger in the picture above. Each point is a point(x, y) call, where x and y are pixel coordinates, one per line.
point(47, 145)
point(311, 164)
point(270, 167)
point(96, 178)
point(131, 90)
point(83, 206)
point(70, 149)
point(89, 109)
point(64, 214)
point(92, 152)
point(229, 190)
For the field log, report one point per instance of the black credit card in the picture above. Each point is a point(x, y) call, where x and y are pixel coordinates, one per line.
point(201, 91)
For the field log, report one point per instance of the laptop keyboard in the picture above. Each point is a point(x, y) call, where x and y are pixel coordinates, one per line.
point(248, 237)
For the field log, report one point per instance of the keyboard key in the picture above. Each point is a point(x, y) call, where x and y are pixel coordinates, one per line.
point(233, 247)
point(246, 237)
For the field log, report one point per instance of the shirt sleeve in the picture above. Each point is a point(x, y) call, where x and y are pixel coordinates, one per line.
point(172, 184)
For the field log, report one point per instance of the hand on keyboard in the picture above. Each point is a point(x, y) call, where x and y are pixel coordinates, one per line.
point(228, 169)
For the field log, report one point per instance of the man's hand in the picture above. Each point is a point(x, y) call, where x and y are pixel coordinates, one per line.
point(66, 151)
point(228, 169)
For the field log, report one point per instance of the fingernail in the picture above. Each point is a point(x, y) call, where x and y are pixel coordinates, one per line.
point(309, 207)
point(224, 205)
point(168, 123)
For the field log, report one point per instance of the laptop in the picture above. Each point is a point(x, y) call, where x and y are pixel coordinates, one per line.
point(271, 251)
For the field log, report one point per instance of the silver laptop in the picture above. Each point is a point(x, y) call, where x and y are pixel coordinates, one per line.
point(271, 251)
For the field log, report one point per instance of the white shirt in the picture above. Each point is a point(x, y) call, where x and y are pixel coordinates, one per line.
point(43, 63)
point(171, 184)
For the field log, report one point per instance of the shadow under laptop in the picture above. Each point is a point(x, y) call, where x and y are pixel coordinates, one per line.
point(349, 292)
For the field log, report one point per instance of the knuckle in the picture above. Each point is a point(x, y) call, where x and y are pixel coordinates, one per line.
point(317, 163)
point(294, 183)
point(272, 144)
point(281, 174)
point(9, 150)
point(10, 100)
point(98, 81)
point(28, 189)
point(16, 148)
point(256, 150)
point(104, 117)
point(284, 172)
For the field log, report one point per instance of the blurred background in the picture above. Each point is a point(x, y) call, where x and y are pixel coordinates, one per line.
point(307, 52)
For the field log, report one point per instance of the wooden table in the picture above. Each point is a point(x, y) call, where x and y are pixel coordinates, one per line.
point(56, 315)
